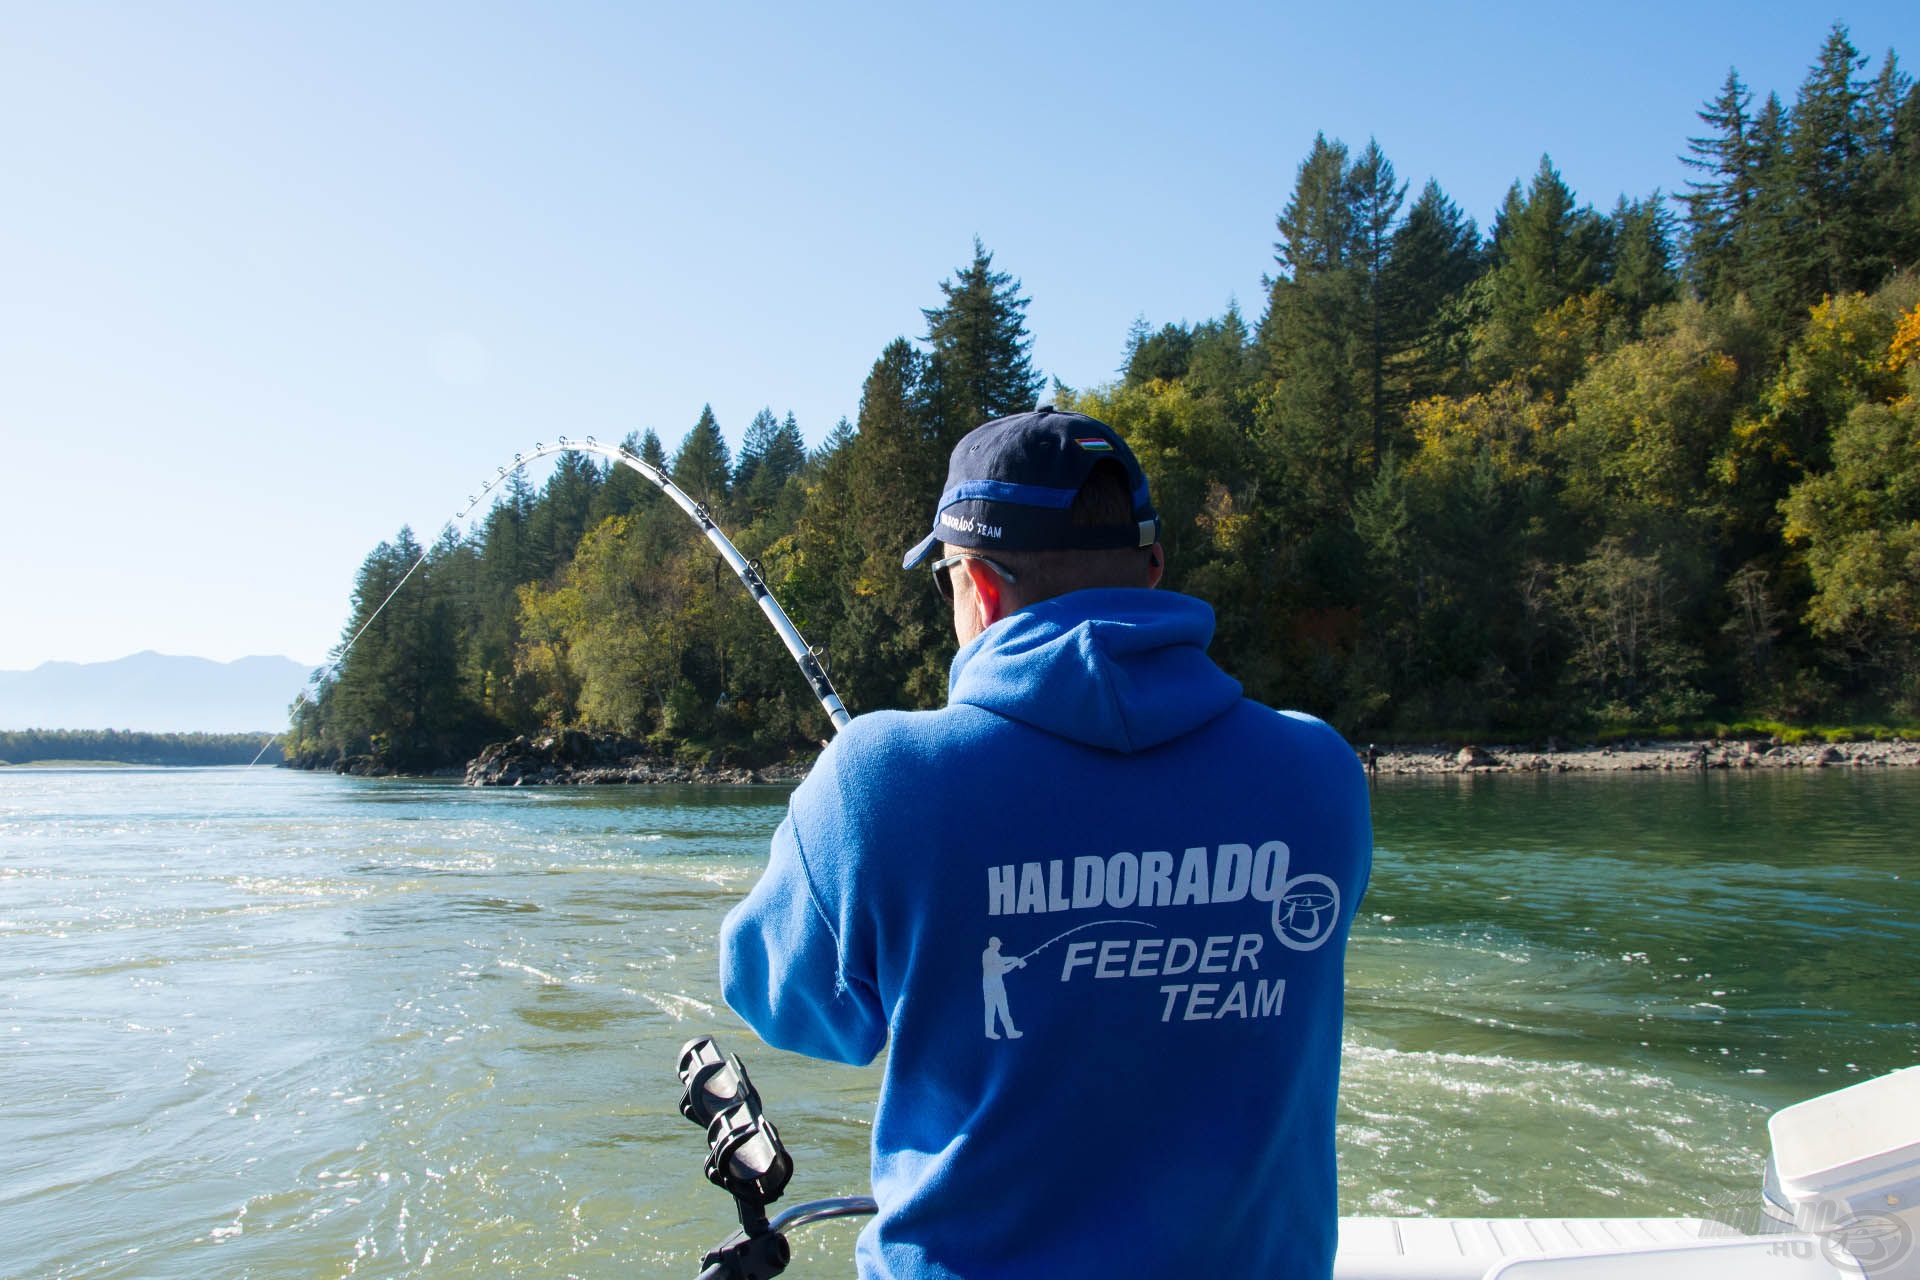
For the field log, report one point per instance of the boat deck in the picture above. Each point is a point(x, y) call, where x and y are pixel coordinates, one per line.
point(1463, 1248)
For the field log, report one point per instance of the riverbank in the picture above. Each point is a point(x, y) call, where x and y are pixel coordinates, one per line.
point(571, 758)
point(1643, 756)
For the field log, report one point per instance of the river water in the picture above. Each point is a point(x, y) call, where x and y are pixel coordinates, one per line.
point(261, 1023)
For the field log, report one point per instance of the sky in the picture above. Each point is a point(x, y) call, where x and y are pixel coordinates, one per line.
point(276, 280)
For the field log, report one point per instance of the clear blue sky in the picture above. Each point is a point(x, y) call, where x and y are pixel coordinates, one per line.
point(276, 279)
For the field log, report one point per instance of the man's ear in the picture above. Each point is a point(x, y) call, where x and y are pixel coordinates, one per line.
point(987, 586)
point(1156, 564)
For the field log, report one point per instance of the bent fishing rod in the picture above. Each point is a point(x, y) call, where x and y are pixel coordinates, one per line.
point(748, 571)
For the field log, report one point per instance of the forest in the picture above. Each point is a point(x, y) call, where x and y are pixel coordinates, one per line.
point(124, 746)
point(1629, 468)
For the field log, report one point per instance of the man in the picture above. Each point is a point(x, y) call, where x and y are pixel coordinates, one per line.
point(994, 968)
point(1162, 873)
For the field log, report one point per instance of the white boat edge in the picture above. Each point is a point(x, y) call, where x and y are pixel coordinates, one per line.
point(1840, 1197)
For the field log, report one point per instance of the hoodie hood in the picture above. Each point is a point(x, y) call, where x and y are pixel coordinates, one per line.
point(1125, 669)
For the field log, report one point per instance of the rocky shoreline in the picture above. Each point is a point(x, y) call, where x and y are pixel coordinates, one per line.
point(569, 758)
point(1643, 757)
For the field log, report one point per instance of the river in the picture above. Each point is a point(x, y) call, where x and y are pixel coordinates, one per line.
point(262, 1023)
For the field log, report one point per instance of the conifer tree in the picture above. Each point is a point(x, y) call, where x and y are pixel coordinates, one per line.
point(980, 347)
point(1546, 250)
point(560, 516)
point(1319, 333)
point(1717, 205)
point(1828, 152)
point(622, 489)
point(771, 453)
point(1770, 249)
point(1642, 275)
point(752, 446)
point(785, 457)
point(1435, 255)
point(1893, 137)
point(1222, 364)
point(835, 445)
point(1376, 210)
point(397, 691)
point(1316, 227)
point(1162, 353)
point(651, 451)
point(507, 560)
point(702, 465)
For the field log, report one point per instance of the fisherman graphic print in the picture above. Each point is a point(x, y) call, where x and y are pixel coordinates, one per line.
point(1096, 878)
point(994, 968)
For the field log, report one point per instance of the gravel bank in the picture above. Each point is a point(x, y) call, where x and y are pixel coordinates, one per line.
point(1644, 756)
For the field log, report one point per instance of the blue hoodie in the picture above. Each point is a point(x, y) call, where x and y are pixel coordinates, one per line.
point(1098, 905)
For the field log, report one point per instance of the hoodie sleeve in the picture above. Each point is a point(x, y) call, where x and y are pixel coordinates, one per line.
point(784, 967)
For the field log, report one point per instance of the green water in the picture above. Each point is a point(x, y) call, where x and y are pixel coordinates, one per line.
point(270, 1024)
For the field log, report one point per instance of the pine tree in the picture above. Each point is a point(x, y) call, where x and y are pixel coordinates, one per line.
point(1376, 210)
point(752, 446)
point(1717, 206)
point(397, 693)
point(1893, 136)
point(1435, 255)
point(622, 489)
point(1546, 250)
point(1771, 251)
point(702, 465)
point(873, 497)
point(771, 453)
point(560, 516)
point(835, 445)
point(786, 455)
point(1332, 327)
point(980, 347)
point(1224, 364)
point(1642, 275)
point(1163, 354)
point(1316, 227)
point(1828, 152)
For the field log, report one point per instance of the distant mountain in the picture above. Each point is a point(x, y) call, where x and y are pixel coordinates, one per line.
point(153, 692)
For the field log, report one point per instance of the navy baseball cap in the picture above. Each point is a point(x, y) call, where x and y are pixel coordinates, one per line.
point(1011, 485)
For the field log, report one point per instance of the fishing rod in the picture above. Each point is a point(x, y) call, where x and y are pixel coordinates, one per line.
point(748, 571)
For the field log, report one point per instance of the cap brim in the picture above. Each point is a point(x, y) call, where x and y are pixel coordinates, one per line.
point(917, 556)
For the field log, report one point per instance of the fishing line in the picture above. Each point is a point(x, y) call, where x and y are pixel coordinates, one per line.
point(748, 571)
point(1077, 928)
point(348, 648)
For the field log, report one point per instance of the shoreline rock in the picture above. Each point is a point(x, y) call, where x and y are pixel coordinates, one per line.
point(570, 758)
point(1640, 756)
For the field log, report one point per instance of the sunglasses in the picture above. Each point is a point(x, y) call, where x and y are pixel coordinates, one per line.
point(943, 579)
